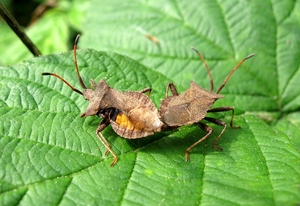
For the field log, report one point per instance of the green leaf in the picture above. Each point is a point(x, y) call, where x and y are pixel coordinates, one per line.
point(290, 125)
point(224, 32)
point(51, 156)
point(56, 153)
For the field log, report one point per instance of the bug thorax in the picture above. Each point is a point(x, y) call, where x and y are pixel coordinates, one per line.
point(197, 92)
point(188, 107)
point(95, 98)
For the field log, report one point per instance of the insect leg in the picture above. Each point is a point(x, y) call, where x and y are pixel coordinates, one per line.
point(217, 122)
point(225, 109)
point(204, 127)
point(104, 123)
point(173, 89)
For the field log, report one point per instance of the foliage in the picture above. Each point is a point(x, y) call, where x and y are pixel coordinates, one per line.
point(51, 156)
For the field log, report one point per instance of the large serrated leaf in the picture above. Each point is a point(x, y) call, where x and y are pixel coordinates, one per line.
point(47, 144)
point(51, 156)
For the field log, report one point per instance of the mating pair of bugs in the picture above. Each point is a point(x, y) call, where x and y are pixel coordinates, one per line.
point(133, 115)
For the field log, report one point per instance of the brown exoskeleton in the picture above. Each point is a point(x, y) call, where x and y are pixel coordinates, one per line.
point(192, 106)
point(131, 114)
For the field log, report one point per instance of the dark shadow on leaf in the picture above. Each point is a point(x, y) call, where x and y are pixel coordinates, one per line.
point(178, 139)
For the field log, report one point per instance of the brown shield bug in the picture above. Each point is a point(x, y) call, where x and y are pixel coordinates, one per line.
point(131, 114)
point(192, 106)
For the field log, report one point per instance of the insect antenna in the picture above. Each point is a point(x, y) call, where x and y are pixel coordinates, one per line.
point(207, 69)
point(233, 70)
point(62, 79)
point(77, 70)
point(76, 64)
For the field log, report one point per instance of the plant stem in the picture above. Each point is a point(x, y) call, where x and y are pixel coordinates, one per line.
point(14, 25)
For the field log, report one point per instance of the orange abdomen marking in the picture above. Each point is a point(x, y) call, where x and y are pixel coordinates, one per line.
point(123, 121)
